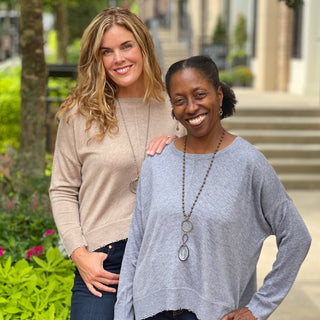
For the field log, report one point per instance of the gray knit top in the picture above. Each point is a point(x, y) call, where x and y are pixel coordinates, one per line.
point(242, 203)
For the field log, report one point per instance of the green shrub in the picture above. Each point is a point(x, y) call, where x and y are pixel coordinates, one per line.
point(242, 76)
point(51, 55)
point(237, 76)
point(74, 51)
point(26, 221)
point(226, 76)
point(35, 292)
point(220, 35)
point(9, 108)
point(239, 39)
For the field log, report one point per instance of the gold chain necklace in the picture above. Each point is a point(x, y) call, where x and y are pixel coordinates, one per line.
point(134, 182)
point(187, 224)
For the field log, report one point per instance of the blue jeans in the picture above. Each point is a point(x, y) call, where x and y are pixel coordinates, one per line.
point(85, 305)
point(174, 315)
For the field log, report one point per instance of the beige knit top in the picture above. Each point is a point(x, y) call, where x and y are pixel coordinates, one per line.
point(89, 192)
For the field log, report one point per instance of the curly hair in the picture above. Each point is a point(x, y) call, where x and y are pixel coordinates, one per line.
point(208, 68)
point(95, 93)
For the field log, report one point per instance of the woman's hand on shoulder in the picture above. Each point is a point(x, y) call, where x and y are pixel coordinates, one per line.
point(90, 266)
point(158, 144)
point(239, 314)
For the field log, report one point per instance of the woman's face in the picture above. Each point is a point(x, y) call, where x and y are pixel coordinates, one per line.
point(123, 61)
point(195, 102)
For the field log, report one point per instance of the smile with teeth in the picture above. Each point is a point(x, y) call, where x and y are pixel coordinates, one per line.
point(122, 70)
point(198, 120)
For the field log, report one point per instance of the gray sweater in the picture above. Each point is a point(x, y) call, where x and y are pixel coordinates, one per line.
point(242, 203)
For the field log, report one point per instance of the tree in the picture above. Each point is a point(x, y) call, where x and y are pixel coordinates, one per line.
point(220, 32)
point(33, 90)
point(61, 26)
point(293, 4)
point(237, 54)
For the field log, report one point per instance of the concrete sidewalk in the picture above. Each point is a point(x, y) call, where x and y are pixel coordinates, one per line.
point(303, 301)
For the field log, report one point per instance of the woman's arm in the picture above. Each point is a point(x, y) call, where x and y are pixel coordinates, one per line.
point(293, 242)
point(64, 194)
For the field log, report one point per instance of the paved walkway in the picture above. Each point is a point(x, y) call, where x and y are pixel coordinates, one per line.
point(248, 97)
point(303, 301)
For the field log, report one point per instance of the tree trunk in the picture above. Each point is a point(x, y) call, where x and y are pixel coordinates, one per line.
point(33, 90)
point(61, 27)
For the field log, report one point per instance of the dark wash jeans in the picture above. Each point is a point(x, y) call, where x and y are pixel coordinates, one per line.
point(174, 315)
point(85, 305)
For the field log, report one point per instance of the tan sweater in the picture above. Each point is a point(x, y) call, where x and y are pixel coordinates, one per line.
point(91, 201)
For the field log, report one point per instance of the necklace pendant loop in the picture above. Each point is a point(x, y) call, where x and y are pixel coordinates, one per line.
point(133, 185)
point(183, 252)
point(185, 238)
point(186, 225)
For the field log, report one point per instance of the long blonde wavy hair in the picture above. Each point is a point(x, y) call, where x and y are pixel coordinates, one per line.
point(95, 93)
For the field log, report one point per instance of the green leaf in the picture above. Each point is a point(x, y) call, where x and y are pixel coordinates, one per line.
point(53, 255)
point(21, 265)
point(12, 310)
point(25, 303)
point(41, 263)
point(7, 265)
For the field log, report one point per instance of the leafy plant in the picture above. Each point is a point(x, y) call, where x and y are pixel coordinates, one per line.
point(239, 40)
point(242, 76)
point(293, 4)
point(9, 108)
point(74, 51)
point(25, 217)
point(220, 32)
point(237, 76)
point(35, 292)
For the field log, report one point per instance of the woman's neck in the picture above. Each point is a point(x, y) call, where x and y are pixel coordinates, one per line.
point(130, 92)
point(204, 145)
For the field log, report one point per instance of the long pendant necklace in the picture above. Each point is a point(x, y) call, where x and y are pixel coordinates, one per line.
point(134, 182)
point(187, 224)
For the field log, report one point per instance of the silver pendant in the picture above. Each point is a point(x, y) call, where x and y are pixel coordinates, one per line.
point(183, 252)
point(133, 185)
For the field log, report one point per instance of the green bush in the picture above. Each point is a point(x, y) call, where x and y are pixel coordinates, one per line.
point(9, 108)
point(239, 39)
point(74, 51)
point(26, 222)
point(242, 76)
point(220, 35)
point(237, 76)
point(226, 76)
point(35, 292)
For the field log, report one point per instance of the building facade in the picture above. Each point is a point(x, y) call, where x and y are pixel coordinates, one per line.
point(282, 44)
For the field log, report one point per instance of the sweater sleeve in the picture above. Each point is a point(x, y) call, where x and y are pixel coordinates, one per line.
point(64, 187)
point(124, 306)
point(293, 242)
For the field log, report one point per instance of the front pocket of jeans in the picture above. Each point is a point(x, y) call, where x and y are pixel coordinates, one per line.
point(109, 252)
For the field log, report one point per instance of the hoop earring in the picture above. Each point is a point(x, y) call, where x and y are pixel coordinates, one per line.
point(220, 112)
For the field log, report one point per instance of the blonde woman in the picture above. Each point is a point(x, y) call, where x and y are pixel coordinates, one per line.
point(117, 107)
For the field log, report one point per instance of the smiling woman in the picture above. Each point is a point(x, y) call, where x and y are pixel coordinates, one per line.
point(123, 61)
point(118, 105)
point(203, 210)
